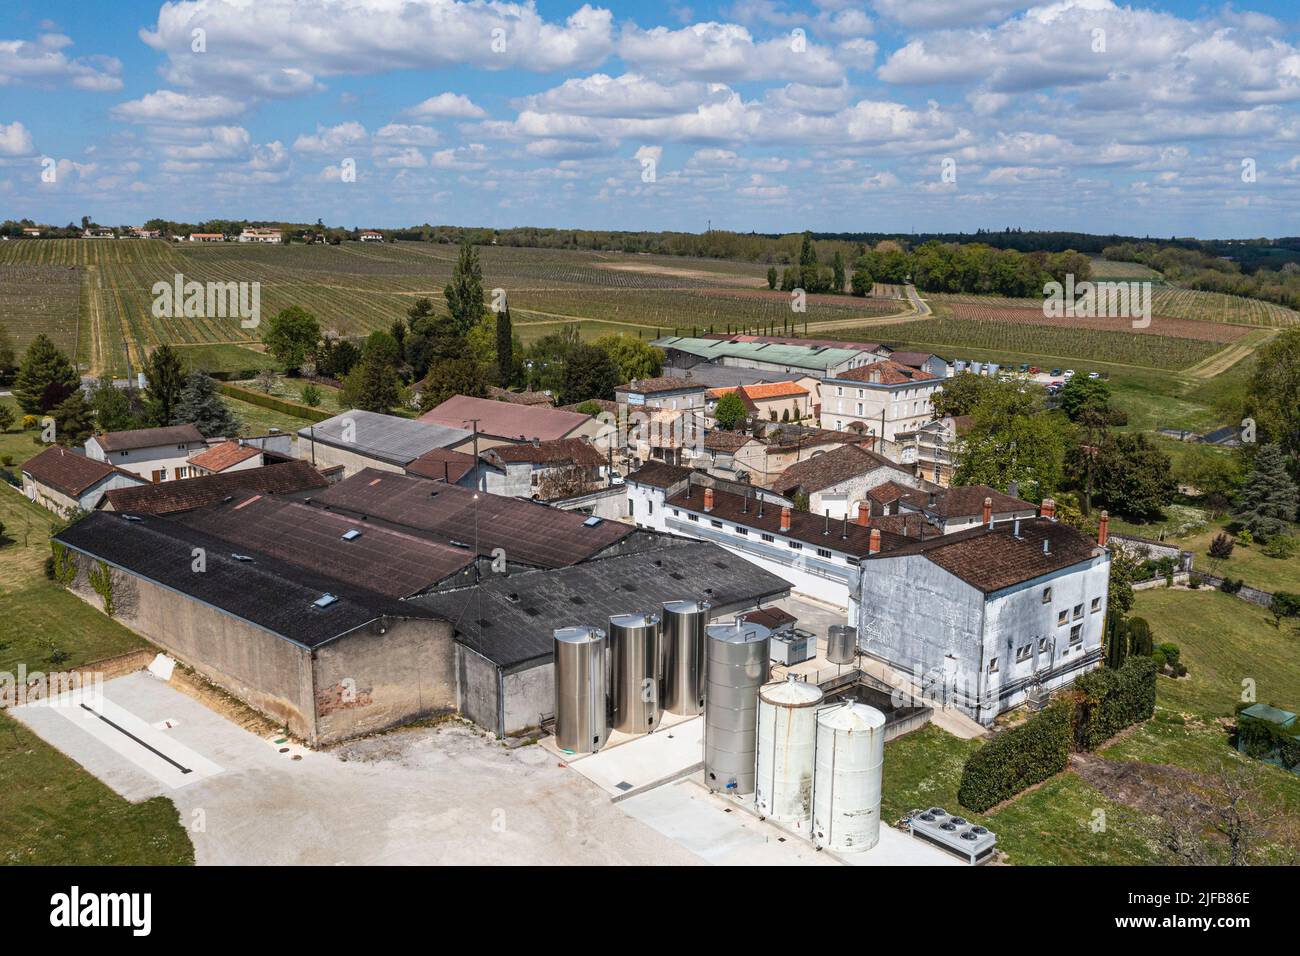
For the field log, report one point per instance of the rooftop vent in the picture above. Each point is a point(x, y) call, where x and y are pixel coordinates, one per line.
point(325, 600)
point(131, 518)
point(593, 521)
point(242, 557)
point(351, 534)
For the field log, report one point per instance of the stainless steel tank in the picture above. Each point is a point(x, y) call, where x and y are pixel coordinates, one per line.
point(581, 704)
point(635, 671)
point(683, 643)
point(841, 644)
point(737, 656)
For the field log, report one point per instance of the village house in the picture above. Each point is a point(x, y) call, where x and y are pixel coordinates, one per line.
point(207, 237)
point(837, 482)
point(259, 234)
point(156, 454)
point(930, 451)
point(225, 457)
point(883, 398)
point(370, 235)
point(775, 401)
point(923, 361)
point(544, 470)
point(963, 506)
point(65, 481)
point(664, 392)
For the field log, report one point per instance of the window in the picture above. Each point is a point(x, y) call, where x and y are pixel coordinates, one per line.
point(1062, 617)
point(768, 537)
point(795, 545)
point(859, 408)
point(694, 517)
point(1078, 611)
point(824, 553)
point(1096, 605)
point(993, 666)
point(839, 391)
point(1076, 635)
point(676, 513)
point(1044, 645)
point(715, 523)
point(121, 454)
point(1022, 653)
point(1047, 595)
point(741, 530)
point(183, 471)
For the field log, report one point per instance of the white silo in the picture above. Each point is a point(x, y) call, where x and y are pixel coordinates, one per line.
point(787, 741)
point(846, 781)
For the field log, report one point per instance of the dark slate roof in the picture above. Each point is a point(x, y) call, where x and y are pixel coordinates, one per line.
point(830, 468)
point(993, 559)
point(576, 451)
point(149, 437)
point(808, 528)
point(266, 591)
point(68, 471)
point(665, 383)
point(965, 501)
point(511, 619)
point(168, 497)
point(529, 533)
point(378, 559)
point(387, 438)
point(659, 474)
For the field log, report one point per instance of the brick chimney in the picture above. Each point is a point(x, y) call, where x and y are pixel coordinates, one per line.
point(708, 499)
point(1048, 509)
point(864, 513)
point(987, 520)
point(1103, 529)
point(785, 518)
point(873, 546)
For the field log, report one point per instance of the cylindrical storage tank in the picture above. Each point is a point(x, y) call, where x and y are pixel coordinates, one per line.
point(846, 780)
point(737, 665)
point(634, 673)
point(787, 740)
point(841, 644)
point(683, 641)
point(581, 705)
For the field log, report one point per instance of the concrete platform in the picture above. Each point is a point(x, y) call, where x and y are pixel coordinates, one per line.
point(629, 765)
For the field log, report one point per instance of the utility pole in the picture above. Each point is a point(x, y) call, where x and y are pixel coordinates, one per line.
point(474, 422)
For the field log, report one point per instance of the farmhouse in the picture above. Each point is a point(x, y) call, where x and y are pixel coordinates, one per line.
point(158, 454)
point(65, 481)
point(31, 232)
point(291, 478)
point(988, 617)
point(258, 234)
point(355, 440)
point(370, 235)
point(207, 237)
point(664, 392)
point(837, 482)
point(501, 423)
point(883, 398)
point(225, 457)
point(544, 470)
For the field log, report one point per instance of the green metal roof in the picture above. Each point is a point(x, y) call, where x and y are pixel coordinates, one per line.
point(1283, 718)
point(797, 356)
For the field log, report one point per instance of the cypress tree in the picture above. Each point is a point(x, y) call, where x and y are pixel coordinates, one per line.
point(505, 348)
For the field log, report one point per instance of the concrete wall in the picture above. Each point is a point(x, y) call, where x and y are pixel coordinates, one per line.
point(842, 499)
point(530, 693)
point(478, 688)
point(365, 681)
point(352, 462)
point(266, 671)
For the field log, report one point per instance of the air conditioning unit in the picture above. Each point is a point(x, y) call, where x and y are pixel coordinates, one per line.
point(952, 833)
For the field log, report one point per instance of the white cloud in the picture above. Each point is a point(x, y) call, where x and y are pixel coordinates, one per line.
point(170, 107)
point(15, 140)
point(727, 52)
point(452, 105)
point(331, 139)
point(43, 63)
point(946, 13)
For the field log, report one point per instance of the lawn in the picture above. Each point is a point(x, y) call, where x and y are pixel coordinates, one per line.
point(1224, 641)
point(53, 813)
point(1250, 564)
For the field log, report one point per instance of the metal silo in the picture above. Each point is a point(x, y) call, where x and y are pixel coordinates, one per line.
point(841, 644)
point(737, 656)
point(683, 641)
point(787, 741)
point(634, 672)
point(581, 707)
point(846, 781)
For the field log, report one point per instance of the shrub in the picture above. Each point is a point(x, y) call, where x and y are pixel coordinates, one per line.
point(1158, 657)
point(1280, 546)
point(29, 422)
point(1171, 653)
point(1231, 586)
point(1245, 538)
point(1139, 637)
point(311, 396)
point(1263, 740)
point(1111, 700)
point(1016, 759)
point(1221, 547)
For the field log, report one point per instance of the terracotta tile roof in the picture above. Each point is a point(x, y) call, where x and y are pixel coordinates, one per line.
point(808, 528)
point(149, 437)
point(909, 524)
point(991, 560)
point(520, 398)
point(442, 464)
point(604, 404)
point(505, 419)
point(830, 468)
point(888, 371)
point(575, 451)
point(889, 491)
point(220, 457)
point(964, 501)
point(665, 383)
point(68, 471)
point(168, 497)
point(723, 439)
point(774, 390)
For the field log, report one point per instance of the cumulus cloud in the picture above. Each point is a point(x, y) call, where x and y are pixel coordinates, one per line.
point(727, 52)
point(15, 140)
point(168, 106)
point(331, 139)
point(42, 62)
point(443, 105)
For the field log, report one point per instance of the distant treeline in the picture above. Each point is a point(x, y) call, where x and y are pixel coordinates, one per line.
point(1199, 269)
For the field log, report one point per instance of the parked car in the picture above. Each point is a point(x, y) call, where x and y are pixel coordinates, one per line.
point(1094, 375)
point(1055, 373)
point(1033, 370)
point(1024, 368)
point(1068, 374)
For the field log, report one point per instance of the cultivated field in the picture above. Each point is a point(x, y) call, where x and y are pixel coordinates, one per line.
point(1165, 301)
point(105, 288)
point(1160, 325)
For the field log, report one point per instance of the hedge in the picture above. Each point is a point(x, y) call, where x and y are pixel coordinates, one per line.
point(1110, 700)
point(253, 397)
point(1018, 758)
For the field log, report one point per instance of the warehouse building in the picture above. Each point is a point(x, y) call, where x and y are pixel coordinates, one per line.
point(355, 440)
point(291, 478)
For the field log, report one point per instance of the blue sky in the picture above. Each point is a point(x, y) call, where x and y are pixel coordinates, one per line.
point(1162, 118)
